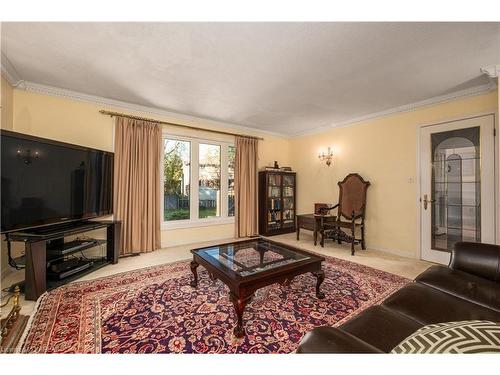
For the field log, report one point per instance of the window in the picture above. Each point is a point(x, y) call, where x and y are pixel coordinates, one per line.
point(176, 180)
point(209, 181)
point(198, 182)
point(231, 153)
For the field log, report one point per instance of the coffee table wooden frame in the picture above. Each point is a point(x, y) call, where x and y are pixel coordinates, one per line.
point(242, 288)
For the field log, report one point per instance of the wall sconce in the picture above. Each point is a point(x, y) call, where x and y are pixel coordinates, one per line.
point(327, 158)
point(26, 156)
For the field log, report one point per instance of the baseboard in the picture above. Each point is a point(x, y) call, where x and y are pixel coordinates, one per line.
point(394, 252)
point(166, 244)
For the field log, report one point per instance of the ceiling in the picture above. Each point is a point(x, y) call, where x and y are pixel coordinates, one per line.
point(288, 78)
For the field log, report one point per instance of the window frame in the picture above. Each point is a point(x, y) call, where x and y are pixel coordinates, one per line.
point(194, 220)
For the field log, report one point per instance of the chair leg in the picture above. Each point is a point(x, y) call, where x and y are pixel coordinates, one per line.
point(363, 238)
point(322, 242)
point(353, 234)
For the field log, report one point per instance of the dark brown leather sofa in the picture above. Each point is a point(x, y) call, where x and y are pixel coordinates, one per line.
point(468, 289)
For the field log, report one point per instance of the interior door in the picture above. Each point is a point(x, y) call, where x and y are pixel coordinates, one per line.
point(457, 185)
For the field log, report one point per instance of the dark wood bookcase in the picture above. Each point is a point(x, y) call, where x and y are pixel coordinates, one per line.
point(277, 192)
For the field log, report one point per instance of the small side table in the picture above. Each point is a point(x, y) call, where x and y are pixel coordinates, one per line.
point(312, 222)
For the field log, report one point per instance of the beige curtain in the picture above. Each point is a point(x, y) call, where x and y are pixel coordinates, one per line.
point(136, 197)
point(245, 187)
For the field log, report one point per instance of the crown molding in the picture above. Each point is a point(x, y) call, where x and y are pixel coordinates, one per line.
point(492, 71)
point(473, 91)
point(9, 72)
point(94, 99)
point(13, 78)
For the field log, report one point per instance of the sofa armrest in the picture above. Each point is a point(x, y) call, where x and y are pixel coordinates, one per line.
point(478, 259)
point(333, 340)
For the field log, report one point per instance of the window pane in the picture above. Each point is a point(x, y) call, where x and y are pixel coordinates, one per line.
point(176, 170)
point(230, 183)
point(209, 181)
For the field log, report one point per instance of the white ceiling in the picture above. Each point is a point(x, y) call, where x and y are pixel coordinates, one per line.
point(288, 78)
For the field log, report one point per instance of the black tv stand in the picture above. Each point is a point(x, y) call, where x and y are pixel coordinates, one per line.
point(38, 240)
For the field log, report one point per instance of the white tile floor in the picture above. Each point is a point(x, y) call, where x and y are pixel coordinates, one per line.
point(405, 267)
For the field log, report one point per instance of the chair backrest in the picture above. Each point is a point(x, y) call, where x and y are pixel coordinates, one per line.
point(352, 196)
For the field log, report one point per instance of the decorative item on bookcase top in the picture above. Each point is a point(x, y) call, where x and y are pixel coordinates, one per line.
point(277, 168)
point(326, 157)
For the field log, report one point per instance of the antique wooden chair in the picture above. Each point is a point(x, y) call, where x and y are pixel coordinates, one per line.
point(350, 213)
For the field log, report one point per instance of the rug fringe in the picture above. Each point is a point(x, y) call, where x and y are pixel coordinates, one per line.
point(18, 348)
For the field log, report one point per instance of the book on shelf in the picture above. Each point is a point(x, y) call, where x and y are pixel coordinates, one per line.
point(287, 191)
point(288, 203)
point(288, 215)
point(274, 191)
point(274, 180)
point(288, 181)
point(275, 204)
point(273, 216)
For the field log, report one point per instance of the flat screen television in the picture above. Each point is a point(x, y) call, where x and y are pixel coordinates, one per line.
point(46, 182)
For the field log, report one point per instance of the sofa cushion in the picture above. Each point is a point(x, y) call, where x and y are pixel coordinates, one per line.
point(475, 336)
point(428, 306)
point(381, 327)
point(464, 285)
point(333, 340)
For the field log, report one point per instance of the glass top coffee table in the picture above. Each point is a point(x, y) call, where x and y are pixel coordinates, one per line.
point(249, 265)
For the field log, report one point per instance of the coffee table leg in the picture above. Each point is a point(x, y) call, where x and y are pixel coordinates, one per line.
point(194, 266)
point(239, 306)
point(298, 230)
point(320, 276)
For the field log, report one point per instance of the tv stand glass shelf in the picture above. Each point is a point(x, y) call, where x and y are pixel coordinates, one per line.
point(52, 258)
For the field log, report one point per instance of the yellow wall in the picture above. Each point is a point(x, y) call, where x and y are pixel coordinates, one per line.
point(6, 105)
point(80, 123)
point(383, 151)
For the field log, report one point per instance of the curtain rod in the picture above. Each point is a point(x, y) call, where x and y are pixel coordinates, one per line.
point(111, 113)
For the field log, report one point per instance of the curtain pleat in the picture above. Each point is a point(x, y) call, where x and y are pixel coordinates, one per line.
point(137, 184)
point(245, 187)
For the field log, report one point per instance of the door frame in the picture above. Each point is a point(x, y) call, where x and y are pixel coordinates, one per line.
point(496, 177)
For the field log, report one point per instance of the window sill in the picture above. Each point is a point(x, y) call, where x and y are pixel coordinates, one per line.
point(183, 224)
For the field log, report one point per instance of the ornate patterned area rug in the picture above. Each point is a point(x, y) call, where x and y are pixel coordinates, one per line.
point(155, 310)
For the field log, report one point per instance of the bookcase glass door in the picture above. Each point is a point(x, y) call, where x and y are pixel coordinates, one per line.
point(288, 201)
point(275, 206)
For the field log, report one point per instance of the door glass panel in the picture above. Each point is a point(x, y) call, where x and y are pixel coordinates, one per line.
point(456, 187)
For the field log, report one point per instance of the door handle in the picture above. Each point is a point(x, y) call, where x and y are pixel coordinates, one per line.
point(427, 201)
